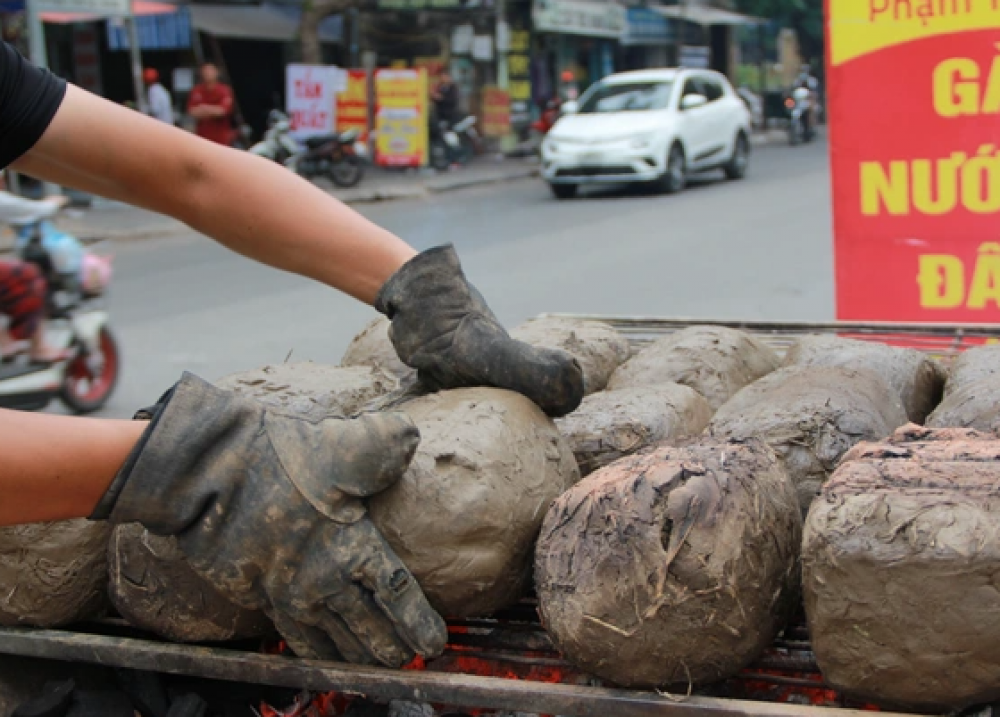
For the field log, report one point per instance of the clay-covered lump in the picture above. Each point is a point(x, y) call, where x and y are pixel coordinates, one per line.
point(465, 516)
point(713, 360)
point(53, 574)
point(612, 424)
point(811, 416)
point(915, 376)
point(676, 566)
point(312, 389)
point(900, 558)
point(373, 348)
point(972, 366)
point(153, 588)
point(598, 347)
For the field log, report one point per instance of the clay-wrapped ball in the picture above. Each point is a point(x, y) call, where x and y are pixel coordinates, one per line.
point(373, 348)
point(612, 424)
point(53, 574)
point(673, 567)
point(915, 376)
point(900, 562)
point(811, 416)
point(152, 585)
point(975, 404)
point(311, 389)
point(153, 588)
point(974, 365)
point(715, 361)
point(465, 516)
point(597, 347)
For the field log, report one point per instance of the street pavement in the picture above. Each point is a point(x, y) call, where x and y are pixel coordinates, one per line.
point(754, 249)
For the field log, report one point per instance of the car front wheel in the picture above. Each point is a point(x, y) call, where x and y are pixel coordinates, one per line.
point(674, 177)
point(563, 191)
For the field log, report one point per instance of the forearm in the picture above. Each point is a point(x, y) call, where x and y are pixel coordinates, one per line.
point(253, 206)
point(58, 467)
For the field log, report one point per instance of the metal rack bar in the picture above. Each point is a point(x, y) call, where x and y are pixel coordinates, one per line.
point(441, 688)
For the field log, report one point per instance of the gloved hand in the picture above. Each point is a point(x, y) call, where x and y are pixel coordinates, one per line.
point(442, 327)
point(268, 508)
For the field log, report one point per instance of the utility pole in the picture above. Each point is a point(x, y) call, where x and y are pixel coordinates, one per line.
point(135, 54)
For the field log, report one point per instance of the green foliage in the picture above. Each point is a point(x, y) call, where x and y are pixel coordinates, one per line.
point(803, 16)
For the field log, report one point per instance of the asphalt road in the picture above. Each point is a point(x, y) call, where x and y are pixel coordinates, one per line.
point(754, 249)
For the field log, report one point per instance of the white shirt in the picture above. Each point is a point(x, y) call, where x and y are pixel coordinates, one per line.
point(17, 210)
point(160, 105)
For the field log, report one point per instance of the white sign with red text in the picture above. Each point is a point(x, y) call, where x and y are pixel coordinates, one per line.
point(311, 98)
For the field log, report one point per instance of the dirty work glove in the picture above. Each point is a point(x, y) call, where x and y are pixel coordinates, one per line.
point(442, 327)
point(268, 508)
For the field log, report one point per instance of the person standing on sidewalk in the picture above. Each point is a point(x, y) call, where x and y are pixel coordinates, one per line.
point(211, 104)
point(161, 105)
point(270, 508)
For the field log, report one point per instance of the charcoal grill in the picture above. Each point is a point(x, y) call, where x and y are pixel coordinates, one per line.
point(508, 662)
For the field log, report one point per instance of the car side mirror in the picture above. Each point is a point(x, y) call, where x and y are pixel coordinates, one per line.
point(690, 102)
point(571, 107)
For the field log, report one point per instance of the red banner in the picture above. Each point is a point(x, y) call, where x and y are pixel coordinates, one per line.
point(496, 112)
point(914, 116)
point(352, 104)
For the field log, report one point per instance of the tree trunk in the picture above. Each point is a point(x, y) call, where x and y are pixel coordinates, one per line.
point(313, 13)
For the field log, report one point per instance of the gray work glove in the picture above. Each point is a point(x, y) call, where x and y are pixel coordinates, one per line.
point(442, 327)
point(269, 509)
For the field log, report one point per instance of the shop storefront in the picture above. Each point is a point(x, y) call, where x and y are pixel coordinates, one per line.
point(648, 35)
point(580, 37)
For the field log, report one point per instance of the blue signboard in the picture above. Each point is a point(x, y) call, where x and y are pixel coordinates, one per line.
point(647, 27)
point(156, 32)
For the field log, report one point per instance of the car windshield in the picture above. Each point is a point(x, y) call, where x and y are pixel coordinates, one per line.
point(627, 97)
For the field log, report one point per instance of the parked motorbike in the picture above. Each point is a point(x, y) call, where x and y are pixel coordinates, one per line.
point(453, 144)
point(548, 117)
point(799, 105)
point(76, 320)
point(337, 156)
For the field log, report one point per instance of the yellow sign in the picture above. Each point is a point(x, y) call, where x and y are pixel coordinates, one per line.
point(401, 117)
point(866, 26)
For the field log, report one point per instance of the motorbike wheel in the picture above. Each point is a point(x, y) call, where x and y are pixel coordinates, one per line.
point(795, 133)
point(440, 156)
point(466, 151)
point(83, 392)
point(347, 171)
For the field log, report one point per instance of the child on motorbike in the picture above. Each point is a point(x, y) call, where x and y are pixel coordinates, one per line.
point(22, 286)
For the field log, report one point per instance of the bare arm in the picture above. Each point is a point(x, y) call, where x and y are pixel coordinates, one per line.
point(58, 467)
point(253, 206)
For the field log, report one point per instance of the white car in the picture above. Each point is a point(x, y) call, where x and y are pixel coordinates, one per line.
point(648, 126)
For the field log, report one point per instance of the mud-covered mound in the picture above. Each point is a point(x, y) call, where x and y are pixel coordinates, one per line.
point(672, 567)
point(465, 516)
point(597, 347)
point(53, 574)
point(973, 366)
point(810, 416)
point(915, 376)
point(901, 555)
point(612, 424)
point(373, 348)
point(311, 389)
point(713, 360)
point(152, 587)
point(975, 404)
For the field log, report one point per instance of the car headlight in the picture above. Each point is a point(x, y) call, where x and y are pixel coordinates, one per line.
point(641, 141)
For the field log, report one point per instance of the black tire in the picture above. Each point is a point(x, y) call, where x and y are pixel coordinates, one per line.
point(674, 177)
point(736, 167)
point(440, 156)
point(100, 387)
point(347, 171)
point(467, 150)
point(794, 133)
point(563, 191)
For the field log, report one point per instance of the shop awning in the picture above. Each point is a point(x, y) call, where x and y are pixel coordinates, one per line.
point(141, 8)
point(701, 15)
point(258, 22)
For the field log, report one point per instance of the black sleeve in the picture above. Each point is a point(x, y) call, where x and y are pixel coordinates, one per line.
point(29, 99)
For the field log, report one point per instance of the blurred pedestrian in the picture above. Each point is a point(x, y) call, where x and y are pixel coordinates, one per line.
point(445, 97)
point(161, 105)
point(211, 104)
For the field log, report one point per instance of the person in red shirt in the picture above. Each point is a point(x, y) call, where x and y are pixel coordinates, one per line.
point(211, 103)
